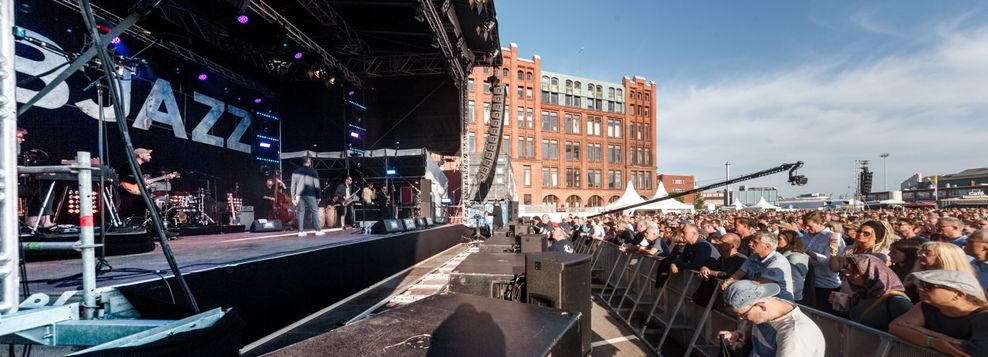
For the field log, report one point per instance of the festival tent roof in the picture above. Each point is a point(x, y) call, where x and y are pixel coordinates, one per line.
point(736, 206)
point(763, 205)
point(665, 205)
point(629, 197)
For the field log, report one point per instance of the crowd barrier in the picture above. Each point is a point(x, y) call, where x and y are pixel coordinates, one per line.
point(668, 312)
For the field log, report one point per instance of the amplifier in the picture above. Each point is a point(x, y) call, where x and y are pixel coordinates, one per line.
point(486, 274)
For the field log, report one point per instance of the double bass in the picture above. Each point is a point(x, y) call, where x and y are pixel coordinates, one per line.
point(281, 209)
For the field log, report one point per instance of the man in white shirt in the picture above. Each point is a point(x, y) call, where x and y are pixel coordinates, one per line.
point(817, 245)
point(778, 327)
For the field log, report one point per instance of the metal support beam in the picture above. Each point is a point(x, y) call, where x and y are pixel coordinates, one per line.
point(400, 65)
point(303, 40)
point(34, 318)
point(142, 35)
point(198, 321)
point(350, 41)
point(432, 18)
point(9, 251)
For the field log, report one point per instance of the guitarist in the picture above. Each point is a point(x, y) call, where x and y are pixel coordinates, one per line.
point(346, 195)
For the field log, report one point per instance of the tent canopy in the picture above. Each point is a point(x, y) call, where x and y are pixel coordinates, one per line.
point(763, 205)
point(629, 197)
point(665, 205)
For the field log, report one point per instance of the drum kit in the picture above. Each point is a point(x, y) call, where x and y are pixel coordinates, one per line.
point(181, 208)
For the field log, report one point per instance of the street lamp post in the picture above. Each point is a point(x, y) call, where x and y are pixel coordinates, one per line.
point(885, 171)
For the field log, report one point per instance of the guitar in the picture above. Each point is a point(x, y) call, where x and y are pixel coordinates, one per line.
point(233, 209)
point(132, 188)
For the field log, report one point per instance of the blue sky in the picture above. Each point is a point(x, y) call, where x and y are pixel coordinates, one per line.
point(759, 83)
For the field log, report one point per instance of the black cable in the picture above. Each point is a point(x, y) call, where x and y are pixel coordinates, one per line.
point(168, 285)
point(115, 97)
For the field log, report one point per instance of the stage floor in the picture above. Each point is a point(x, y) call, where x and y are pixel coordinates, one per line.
point(192, 253)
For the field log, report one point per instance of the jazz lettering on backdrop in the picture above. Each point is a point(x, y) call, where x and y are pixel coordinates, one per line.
point(159, 106)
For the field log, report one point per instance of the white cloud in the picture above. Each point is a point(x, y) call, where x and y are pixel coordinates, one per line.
point(928, 108)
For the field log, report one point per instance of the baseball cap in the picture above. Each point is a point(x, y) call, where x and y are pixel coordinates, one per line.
point(141, 151)
point(957, 280)
point(745, 292)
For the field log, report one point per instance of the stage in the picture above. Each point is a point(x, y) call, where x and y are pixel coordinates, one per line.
point(272, 279)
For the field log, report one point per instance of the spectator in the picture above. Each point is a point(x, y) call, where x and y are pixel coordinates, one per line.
point(952, 316)
point(779, 327)
point(623, 234)
point(909, 230)
point(560, 237)
point(903, 254)
point(937, 255)
point(696, 254)
point(879, 296)
point(976, 246)
point(791, 247)
point(950, 231)
point(817, 242)
point(743, 226)
point(765, 265)
point(874, 237)
point(730, 259)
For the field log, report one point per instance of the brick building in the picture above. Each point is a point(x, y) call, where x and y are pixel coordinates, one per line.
point(678, 183)
point(573, 141)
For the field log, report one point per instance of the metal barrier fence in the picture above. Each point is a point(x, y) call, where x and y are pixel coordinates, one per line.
point(669, 312)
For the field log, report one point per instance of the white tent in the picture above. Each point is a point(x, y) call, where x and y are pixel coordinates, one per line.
point(665, 205)
point(736, 206)
point(629, 197)
point(763, 205)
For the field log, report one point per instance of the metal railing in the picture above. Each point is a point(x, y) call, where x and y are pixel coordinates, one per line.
point(658, 314)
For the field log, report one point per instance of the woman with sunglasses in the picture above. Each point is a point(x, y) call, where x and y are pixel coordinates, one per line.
point(952, 316)
point(873, 237)
point(937, 255)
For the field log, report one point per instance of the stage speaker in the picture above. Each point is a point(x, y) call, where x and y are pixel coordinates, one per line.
point(533, 243)
point(436, 325)
point(512, 211)
point(429, 222)
point(498, 245)
point(440, 220)
point(420, 222)
point(386, 226)
point(267, 225)
point(486, 274)
point(561, 280)
point(425, 196)
point(409, 224)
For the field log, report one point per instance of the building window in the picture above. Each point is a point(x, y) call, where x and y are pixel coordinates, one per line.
point(530, 118)
point(528, 93)
point(647, 132)
point(553, 121)
point(545, 83)
point(678, 182)
point(577, 88)
point(470, 112)
point(521, 94)
point(634, 180)
point(614, 179)
point(527, 175)
point(569, 86)
point(614, 128)
point(521, 75)
point(572, 177)
point(555, 85)
point(521, 147)
point(470, 85)
point(595, 201)
point(545, 177)
point(631, 129)
point(553, 149)
point(614, 154)
point(506, 145)
point(487, 112)
point(572, 124)
point(487, 87)
point(646, 111)
point(521, 117)
point(527, 198)
point(528, 76)
point(471, 142)
point(487, 70)
point(545, 120)
point(620, 95)
point(504, 73)
point(545, 96)
point(553, 98)
point(531, 148)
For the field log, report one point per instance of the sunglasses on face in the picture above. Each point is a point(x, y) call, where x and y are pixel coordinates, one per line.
point(866, 233)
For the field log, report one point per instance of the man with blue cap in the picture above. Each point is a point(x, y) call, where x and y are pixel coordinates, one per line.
point(778, 327)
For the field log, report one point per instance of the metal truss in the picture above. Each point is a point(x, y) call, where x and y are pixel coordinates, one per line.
point(350, 41)
point(145, 36)
point(303, 40)
point(399, 65)
point(432, 17)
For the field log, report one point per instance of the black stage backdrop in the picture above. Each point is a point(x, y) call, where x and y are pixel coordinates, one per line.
point(205, 129)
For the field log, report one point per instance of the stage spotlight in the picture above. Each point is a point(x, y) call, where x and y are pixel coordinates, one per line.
point(298, 55)
point(243, 19)
point(350, 93)
point(202, 76)
point(115, 41)
point(257, 100)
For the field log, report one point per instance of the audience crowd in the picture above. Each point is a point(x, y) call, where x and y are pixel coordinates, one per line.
point(919, 274)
